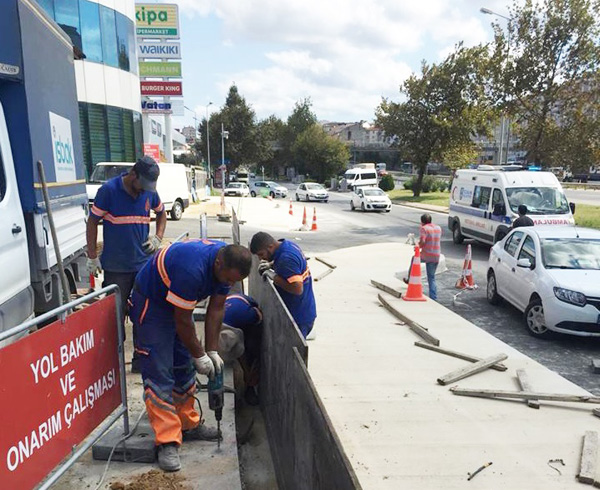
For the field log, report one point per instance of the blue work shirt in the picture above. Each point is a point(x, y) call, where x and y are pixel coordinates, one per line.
point(182, 274)
point(241, 311)
point(290, 263)
point(126, 225)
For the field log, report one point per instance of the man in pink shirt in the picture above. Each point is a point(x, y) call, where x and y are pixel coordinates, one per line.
point(429, 241)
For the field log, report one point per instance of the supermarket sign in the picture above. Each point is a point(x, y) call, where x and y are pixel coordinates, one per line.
point(163, 69)
point(157, 20)
point(161, 88)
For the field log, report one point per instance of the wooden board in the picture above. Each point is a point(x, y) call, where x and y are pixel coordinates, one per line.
point(524, 395)
point(387, 289)
point(523, 378)
point(467, 371)
point(458, 355)
point(327, 263)
point(321, 276)
point(589, 457)
point(415, 327)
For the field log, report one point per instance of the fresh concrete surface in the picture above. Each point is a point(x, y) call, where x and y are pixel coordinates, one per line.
point(399, 428)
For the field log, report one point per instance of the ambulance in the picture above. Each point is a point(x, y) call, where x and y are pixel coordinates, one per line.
point(484, 201)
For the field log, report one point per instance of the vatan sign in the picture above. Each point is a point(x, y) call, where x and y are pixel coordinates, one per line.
point(164, 50)
point(161, 88)
point(160, 69)
point(59, 384)
point(157, 20)
point(154, 107)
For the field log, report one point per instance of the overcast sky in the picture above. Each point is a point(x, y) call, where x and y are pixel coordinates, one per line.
point(343, 54)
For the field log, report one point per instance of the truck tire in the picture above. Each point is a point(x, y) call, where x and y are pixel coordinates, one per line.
point(176, 211)
point(457, 236)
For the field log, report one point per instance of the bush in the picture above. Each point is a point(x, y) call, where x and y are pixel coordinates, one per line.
point(387, 183)
point(409, 183)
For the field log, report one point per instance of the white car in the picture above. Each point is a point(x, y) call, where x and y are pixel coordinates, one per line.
point(267, 188)
point(237, 189)
point(552, 274)
point(310, 191)
point(370, 199)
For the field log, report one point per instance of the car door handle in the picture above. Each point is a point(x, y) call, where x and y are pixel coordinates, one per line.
point(499, 260)
point(16, 229)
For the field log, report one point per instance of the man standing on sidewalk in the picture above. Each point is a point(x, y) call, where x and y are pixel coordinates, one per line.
point(124, 204)
point(429, 241)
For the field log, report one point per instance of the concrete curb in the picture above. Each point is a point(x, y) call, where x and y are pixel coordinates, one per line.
point(425, 207)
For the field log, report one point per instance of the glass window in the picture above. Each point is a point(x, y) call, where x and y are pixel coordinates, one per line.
point(123, 41)
point(109, 36)
point(66, 15)
point(2, 179)
point(528, 250)
point(48, 6)
point(571, 253)
point(481, 197)
point(138, 135)
point(128, 136)
point(85, 138)
point(115, 134)
point(512, 243)
point(98, 133)
point(91, 38)
point(539, 200)
point(133, 66)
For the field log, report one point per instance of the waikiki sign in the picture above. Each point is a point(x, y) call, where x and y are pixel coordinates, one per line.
point(157, 20)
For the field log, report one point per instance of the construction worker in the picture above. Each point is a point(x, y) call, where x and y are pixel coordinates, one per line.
point(123, 203)
point(430, 243)
point(291, 277)
point(243, 312)
point(523, 219)
point(164, 296)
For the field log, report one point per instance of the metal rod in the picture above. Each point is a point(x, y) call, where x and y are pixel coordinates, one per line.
point(182, 236)
point(121, 354)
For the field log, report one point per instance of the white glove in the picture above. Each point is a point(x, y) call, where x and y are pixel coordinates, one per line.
point(94, 266)
point(216, 360)
point(270, 273)
point(152, 244)
point(264, 265)
point(204, 365)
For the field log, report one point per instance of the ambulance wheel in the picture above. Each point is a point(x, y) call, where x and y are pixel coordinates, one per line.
point(176, 211)
point(492, 289)
point(457, 236)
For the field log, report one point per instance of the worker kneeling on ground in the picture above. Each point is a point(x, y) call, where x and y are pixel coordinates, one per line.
point(165, 293)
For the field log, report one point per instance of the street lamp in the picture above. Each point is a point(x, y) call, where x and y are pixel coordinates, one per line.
point(224, 136)
point(208, 143)
point(195, 121)
point(505, 119)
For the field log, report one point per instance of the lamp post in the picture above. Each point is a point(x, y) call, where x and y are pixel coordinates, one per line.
point(505, 119)
point(224, 136)
point(208, 143)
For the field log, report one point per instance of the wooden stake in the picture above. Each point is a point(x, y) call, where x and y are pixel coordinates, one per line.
point(415, 327)
point(328, 264)
point(387, 289)
point(524, 395)
point(326, 273)
point(526, 386)
point(467, 371)
point(589, 456)
point(458, 355)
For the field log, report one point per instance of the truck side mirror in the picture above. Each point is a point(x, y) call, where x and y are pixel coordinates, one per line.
point(572, 206)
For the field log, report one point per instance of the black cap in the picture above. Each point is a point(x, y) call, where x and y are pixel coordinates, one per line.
point(147, 171)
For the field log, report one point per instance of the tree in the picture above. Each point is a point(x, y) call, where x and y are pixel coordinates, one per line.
point(271, 132)
point(444, 108)
point(322, 156)
point(549, 53)
point(298, 121)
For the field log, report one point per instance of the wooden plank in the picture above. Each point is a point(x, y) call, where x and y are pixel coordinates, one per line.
point(459, 355)
point(387, 289)
point(415, 327)
point(467, 371)
point(596, 365)
point(328, 264)
point(596, 412)
point(321, 276)
point(524, 395)
point(589, 457)
point(523, 378)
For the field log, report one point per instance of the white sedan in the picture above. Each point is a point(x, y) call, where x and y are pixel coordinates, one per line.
point(309, 191)
point(370, 199)
point(237, 189)
point(552, 274)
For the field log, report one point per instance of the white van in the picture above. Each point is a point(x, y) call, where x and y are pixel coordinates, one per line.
point(356, 177)
point(484, 202)
point(172, 185)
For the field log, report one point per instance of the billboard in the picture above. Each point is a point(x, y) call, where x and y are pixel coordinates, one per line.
point(166, 50)
point(157, 20)
point(152, 151)
point(160, 69)
point(161, 88)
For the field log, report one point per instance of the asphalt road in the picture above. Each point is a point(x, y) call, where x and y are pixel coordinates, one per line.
point(569, 356)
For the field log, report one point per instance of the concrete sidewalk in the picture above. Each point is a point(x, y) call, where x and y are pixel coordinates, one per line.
point(401, 429)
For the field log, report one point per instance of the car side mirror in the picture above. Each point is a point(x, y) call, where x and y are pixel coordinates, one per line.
point(499, 209)
point(572, 206)
point(525, 263)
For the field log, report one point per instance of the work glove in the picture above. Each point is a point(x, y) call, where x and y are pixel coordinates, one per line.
point(264, 265)
point(152, 244)
point(94, 266)
point(216, 360)
point(204, 365)
point(270, 273)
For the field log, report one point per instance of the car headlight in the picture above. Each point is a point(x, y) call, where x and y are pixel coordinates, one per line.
point(569, 296)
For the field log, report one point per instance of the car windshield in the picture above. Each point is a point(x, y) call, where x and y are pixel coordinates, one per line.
point(235, 185)
point(314, 187)
point(539, 200)
point(272, 184)
point(571, 253)
point(374, 192)
point(102, 173)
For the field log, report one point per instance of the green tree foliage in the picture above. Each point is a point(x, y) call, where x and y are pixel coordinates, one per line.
point(322, 155)
point(271, 132)
point(387, 183)
point(445, 106)
point(298, 121)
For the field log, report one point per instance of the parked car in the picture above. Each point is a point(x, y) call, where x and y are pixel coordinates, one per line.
point(237, 189)
point(370, 199)
point(552, 274)
point(310, 191)
point(267, 188)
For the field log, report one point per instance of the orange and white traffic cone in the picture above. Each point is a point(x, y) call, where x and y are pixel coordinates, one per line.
point(415, 286)
point(304, 223)
point(314, 223)
point(291, 209)
point(466, 280)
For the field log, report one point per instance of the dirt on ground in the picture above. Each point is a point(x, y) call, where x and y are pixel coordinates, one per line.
point(153, 480)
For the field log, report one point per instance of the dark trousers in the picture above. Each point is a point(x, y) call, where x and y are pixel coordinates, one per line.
point(125, 282)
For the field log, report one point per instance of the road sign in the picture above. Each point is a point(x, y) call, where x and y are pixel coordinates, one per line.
point(160, 69)
point(164, 50)
point(158, 20)
point(161, 88)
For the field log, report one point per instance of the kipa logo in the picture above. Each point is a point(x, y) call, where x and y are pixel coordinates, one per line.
point(150, 16)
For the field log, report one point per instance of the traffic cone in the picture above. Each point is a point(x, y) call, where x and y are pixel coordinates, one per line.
point(415, 287)
point(304, 223)
point(466, 281)
point(92, 282)
point(314, 223)
point(291, 209)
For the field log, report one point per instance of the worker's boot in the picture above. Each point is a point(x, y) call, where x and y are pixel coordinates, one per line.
point(202, 433)
point(168, 457)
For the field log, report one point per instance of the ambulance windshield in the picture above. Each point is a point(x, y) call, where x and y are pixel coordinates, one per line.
point(539, 200)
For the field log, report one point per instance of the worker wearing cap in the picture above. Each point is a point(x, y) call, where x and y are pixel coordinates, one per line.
point(164, 296)
point(123, 203)
point(291, 277)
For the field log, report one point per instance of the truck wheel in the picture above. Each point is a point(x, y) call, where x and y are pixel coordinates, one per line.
point(176, 211)
point(457, 236)
point(253, 194)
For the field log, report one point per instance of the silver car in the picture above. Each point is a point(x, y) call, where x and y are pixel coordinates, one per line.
point(266, 188)
point(311, 192)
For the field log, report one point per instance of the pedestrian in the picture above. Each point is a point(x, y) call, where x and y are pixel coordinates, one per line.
point(429, 241)
point(123, 203)
point(523, 219)
point(164, 296)
point(291, 276)
point(243, 312)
